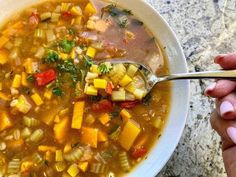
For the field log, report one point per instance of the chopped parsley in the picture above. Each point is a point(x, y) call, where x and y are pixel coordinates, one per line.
point(57, 91)
point(30, 78)
point(51, 57)
point(87, 61)
point(68, 66)
point(114, 11)
point(66, 45)
point(105, 68)
point(72, 31)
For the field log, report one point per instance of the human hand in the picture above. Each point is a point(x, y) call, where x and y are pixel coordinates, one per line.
point(223, 118)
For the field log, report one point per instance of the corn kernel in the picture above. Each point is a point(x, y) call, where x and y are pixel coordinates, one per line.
point(76, 10)
point(91, 52)
point(94, 69)
point(59, 156)
point(37, 99)
point(16, 83)
point(83, 166)
point(104, 118)
point(48, 94)
point(100, 83)
point(24, 81)
point(125, 80)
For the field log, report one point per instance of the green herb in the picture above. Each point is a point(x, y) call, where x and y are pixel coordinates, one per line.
point(72, 31)
point(88, 61)
point(122, 21)
point(51, 57)
point(104, 68)
point(57, 91)
point(30, 78)
point(114, 114)
point(67, 66)
point(66, 45)
point(147, 99)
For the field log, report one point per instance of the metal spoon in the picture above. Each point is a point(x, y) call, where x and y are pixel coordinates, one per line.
point(152, 79)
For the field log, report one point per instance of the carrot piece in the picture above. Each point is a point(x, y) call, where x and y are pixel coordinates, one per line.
point(5, 121)
point(78, 114)
point(104, 118)
point(3, 41)
point(61, 130)
point(89, 136)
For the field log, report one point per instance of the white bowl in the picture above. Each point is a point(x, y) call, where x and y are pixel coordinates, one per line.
point(163, 149)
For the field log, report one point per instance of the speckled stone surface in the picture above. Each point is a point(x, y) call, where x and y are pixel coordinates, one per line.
point(204, 29)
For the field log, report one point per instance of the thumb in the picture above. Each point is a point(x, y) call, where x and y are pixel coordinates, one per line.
point(229, 156)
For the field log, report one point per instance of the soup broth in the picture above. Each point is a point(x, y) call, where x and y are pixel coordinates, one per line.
point(64, 114)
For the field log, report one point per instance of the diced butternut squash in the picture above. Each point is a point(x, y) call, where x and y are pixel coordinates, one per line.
point(4, 97)
point(57, 119)
point(100, 83)
point(16, 83)
point(49, 117)
point(76, 10)
point(5, 121)
point(26, 166)
point(49, 156)
point(3, 41)
point(73, 170)
point(45, 148)
point(129, 133)
point(15, 144)
point(58, 156)
point(61, 129)
point(23, 104)
point(3, 57)
point(91, 52)
point(104, 118)
point(28, 64)
point(89, 136)
point(90, 10)
point(125, 115)
point(67, 147)
point(102, 136)
point(83, 166)
point(125, 80)
point(48, 94)
point(91, 90)
point(37, 99)
point(24, 81)
point(78, 115)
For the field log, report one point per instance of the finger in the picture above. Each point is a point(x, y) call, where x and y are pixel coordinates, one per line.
point(226, 106)
point(229, 157)
point(226, 61)
point(221, 126)
point(220, 88)
point(227, 144)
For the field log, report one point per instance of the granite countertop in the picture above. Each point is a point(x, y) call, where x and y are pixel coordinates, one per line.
point(204, 29)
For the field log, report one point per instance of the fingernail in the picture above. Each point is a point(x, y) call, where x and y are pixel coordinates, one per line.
point(219, 58)
point(225, 108)
point(231, 131)
point(210, 88)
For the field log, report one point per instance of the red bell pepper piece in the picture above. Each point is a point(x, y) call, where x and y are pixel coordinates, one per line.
point(45, 77)
point(103, 106)
point(109, 88)
point(66, 15)
point(129, 104)
point(34, 19)
point(138, 152)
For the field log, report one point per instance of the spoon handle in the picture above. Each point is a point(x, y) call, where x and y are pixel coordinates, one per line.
point(221, 74)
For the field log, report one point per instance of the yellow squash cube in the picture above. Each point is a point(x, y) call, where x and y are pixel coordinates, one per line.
point(125, 115)
point(91, 90)
point(83, 166)
point(132, 70)
point(37, 99)
point(100, 83)
point(5, 121)
point(102, 136)
point(129, 133)
point(125, 80)
point(91, 52)
point(16, 83)
point(48, 94)
point(59, 156)
point(90, 10)
point(76, 10)
point(94, 69)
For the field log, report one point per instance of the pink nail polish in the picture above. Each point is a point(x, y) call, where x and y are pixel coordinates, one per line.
point(210, 88)
point(231, 131)
point(225, 108)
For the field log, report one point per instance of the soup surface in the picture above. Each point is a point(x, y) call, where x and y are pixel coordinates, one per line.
point(62, 113)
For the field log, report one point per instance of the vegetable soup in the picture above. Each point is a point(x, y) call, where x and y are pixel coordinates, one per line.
point(65, 108)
